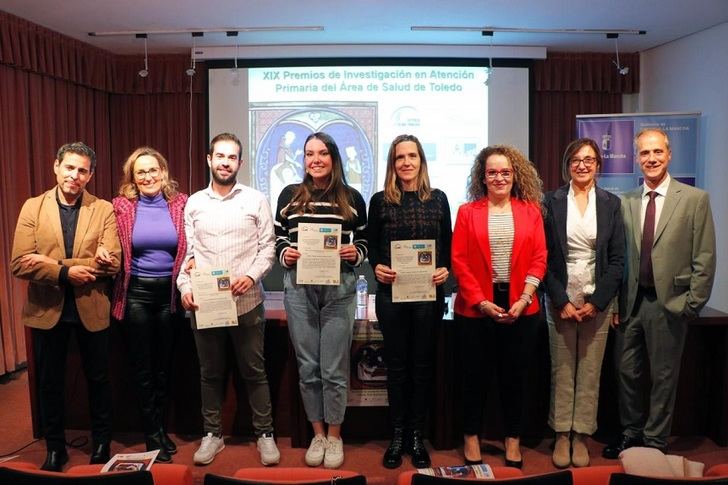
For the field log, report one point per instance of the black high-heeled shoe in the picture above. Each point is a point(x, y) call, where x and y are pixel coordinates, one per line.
point(472, 462)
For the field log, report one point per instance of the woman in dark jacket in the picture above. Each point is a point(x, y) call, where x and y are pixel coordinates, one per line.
point(585, 240)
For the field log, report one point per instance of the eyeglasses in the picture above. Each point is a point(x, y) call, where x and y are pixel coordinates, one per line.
point(587, 161)
point(142, 174)
point(493, 174)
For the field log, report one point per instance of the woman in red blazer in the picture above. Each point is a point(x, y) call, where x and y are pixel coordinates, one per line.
point(499, 259)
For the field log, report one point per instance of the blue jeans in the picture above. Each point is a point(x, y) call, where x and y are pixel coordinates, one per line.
point(321, 321)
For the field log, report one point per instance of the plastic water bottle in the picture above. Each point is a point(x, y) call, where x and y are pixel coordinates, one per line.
point(362, 298)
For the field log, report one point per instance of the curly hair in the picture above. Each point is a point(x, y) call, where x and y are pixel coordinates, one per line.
point(128, 188)
point(527, 185)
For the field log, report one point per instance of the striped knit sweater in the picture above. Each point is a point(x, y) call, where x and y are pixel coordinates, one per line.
point(352, 231)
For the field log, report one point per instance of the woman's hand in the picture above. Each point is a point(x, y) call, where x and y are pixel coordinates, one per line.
point(517, 309)
point(440, 276)
point(569, 312)
point(494, 312)
point(348, 253)
point(588, 311)
point(290, 256)
point(384, 274)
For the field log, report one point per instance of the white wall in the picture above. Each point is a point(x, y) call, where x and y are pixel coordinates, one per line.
point(691, 74)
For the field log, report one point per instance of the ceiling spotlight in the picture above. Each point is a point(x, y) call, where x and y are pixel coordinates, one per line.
point(144, 72)
point(623, 70)
point(191, 71)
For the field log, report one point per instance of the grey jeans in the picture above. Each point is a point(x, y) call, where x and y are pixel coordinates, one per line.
point(247, 339)
point(321, 321)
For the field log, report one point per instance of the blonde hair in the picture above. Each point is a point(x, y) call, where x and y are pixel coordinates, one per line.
point(527, 185)
point(392, 190)
point(128, 188)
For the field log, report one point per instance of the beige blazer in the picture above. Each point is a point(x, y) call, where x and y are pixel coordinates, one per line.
point(683, 255)
point(39, 231)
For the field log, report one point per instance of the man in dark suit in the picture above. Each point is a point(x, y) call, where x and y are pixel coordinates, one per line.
point(670, 268)
point(66, 246)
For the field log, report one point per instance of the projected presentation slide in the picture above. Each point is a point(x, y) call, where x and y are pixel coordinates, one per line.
point(363, 108)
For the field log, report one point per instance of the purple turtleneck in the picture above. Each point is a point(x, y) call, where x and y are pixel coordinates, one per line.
point(154, 239)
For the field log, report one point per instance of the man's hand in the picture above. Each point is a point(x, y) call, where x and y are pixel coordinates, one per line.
point(103, 257)
point(241, 285)
point(80, 275)
point(188, 303)
point(190, 265)
point(615, 320)
point(30, 260)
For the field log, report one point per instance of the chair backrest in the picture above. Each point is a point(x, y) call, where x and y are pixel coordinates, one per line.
point(32, 477)
point(558, 478)
point(162, 473)
point(211, 479)
point(627, 479)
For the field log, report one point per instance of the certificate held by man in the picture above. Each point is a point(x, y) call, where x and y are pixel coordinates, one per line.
point(320, 263)
point(414, 263)
point(213, 295)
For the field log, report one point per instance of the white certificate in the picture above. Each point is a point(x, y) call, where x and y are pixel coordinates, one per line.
point(414, 263)
point(212, 293)
point(320, 263)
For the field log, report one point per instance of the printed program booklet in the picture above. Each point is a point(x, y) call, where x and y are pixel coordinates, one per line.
point(460, 471)
point(130, 462)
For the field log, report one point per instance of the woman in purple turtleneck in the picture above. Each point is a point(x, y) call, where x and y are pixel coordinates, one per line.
point(150, 220)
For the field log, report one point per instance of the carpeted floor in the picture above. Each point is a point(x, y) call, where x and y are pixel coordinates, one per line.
point(364, 457)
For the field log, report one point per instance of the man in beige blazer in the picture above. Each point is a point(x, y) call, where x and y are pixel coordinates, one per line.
point(666, 284)
point(67, 248)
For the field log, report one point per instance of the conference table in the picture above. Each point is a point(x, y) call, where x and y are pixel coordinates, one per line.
point(701, 408)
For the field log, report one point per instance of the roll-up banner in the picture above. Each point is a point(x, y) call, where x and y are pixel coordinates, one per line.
point(614, 134)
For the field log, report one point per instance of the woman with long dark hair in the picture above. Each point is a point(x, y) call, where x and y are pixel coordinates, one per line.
point(321, 317)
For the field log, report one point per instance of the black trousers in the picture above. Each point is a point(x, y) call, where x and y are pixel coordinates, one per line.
point(486, 348)
point(409, 350)
point(50, 348)
point(149, 333)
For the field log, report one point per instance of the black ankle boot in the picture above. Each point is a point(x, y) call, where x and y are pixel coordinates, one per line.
point(167, 442)
point(420, 456)
point(393, 455)
point(154, 442)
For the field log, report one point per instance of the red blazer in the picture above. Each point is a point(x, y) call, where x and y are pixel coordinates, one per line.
point(471, 261)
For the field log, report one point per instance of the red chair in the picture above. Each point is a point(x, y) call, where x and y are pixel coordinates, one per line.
point(27, 476)
point(163, 474)
point(627, 479)
point(405, 478)
point(557, 478)
point(718, 471)
point(281, 475)
point(595, 475)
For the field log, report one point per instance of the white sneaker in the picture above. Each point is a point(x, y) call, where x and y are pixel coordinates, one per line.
point(316, 450)
point(209, 447)
point(334, 453)
point(269, 454)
